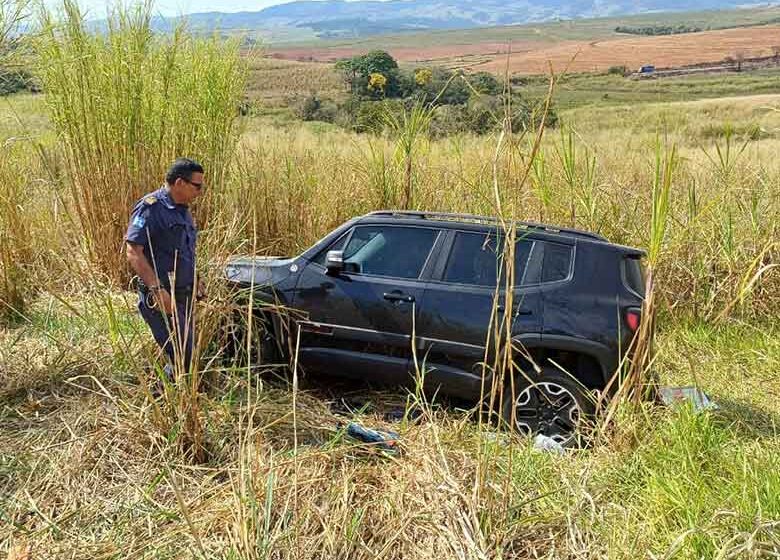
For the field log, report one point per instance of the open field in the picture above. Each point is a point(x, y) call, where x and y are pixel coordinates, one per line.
point(548, 32)
point(247, 463)
point(594, 42)
point(273, 83)
point(662, 51)
point(596, 53)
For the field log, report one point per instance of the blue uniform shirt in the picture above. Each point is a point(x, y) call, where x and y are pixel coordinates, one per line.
point(168, 234)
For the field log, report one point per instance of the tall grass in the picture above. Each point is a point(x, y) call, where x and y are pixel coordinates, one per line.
point(12, 14)
point(124, 104)
point(411, 129)
point(16, 249)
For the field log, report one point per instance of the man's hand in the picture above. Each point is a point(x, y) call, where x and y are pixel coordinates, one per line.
point(163, 299)
point(201, 294)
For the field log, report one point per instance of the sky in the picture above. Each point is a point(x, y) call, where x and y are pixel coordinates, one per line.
point(97, 8)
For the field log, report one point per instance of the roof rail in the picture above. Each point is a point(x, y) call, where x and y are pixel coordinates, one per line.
point(451, 216)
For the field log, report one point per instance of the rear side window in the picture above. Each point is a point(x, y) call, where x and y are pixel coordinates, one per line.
point(398, 252)
point(633, 275)
point(475, 259)
point(557, 262)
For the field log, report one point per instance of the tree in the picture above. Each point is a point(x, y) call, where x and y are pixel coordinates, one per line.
point(377, 83)
point(486, 83)
point(422, 76)
point(357, 70)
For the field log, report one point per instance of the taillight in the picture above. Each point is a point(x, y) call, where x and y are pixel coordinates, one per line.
point(633, 315)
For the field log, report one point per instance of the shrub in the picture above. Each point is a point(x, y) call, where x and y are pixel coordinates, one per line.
point(621, 70)
point(486, 83)
point(445, 86)
point(307, 108)
point(371, 116)
point(12, 81)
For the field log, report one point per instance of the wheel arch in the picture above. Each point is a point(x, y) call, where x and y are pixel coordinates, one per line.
point(592, 363)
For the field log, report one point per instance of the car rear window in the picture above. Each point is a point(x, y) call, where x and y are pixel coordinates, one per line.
point(557, 262)
point(633, 275)
point(474, 259)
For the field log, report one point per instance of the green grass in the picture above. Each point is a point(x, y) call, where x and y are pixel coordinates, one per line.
point(579, 90)
point(29, 110)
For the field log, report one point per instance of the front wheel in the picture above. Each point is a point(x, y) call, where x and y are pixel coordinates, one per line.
point(551, 403)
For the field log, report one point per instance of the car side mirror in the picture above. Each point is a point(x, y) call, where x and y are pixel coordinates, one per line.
point(334, 262)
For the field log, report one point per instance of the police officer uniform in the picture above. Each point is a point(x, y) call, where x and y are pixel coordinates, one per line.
point(168, 235)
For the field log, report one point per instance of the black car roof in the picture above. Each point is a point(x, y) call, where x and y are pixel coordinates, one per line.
point(474, 219)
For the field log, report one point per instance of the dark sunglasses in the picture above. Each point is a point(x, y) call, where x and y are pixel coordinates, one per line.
point(196, 185)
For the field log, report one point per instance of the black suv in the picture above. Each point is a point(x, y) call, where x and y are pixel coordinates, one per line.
point(382, 282)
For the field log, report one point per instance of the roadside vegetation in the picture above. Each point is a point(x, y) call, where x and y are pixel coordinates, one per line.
point(240, 463)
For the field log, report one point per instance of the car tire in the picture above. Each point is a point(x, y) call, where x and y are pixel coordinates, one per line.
point(551, 403)
point(264, 347)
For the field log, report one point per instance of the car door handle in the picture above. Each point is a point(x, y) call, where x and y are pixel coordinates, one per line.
point(397, 296)
point(522, 311)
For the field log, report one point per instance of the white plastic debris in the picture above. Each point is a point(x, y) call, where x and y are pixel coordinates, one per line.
point(673, 396)
point(548, 444)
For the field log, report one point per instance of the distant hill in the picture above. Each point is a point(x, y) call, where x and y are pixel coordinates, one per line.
point(339, 18)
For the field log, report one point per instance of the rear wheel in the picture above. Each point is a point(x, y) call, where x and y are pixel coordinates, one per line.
point(552, 403)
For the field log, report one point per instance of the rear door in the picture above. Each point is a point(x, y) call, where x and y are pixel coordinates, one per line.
point(456, 315)
point(359, 322)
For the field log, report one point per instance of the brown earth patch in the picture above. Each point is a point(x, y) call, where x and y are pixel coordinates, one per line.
point(533, 57)
point(661, 51)
point(438, 53)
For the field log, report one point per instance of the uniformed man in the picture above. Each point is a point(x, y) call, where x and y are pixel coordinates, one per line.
point(161, 240)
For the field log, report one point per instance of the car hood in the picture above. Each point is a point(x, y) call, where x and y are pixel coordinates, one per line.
point(258, 271)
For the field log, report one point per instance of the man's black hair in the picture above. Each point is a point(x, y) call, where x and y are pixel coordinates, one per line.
point(182, 168)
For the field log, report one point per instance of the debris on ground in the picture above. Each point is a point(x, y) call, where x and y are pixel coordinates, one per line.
point(548, 444)
point(501, 438)
point(672, 396)
point(387, 441)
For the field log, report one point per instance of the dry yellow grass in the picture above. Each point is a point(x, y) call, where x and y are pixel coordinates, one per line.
point(273, 81)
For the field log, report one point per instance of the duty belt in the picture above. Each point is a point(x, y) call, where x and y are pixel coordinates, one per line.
point(181, 294)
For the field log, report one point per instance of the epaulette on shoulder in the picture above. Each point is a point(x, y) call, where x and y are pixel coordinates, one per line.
point(149, 200)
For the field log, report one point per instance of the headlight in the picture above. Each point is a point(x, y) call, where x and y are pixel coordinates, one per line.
point(242, 274)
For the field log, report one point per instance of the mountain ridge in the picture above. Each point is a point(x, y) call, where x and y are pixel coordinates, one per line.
point(349, 19)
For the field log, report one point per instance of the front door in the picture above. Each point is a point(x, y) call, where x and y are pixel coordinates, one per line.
point(359, 322)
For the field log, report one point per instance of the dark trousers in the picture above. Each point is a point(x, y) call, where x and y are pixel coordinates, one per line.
point(174, 337)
